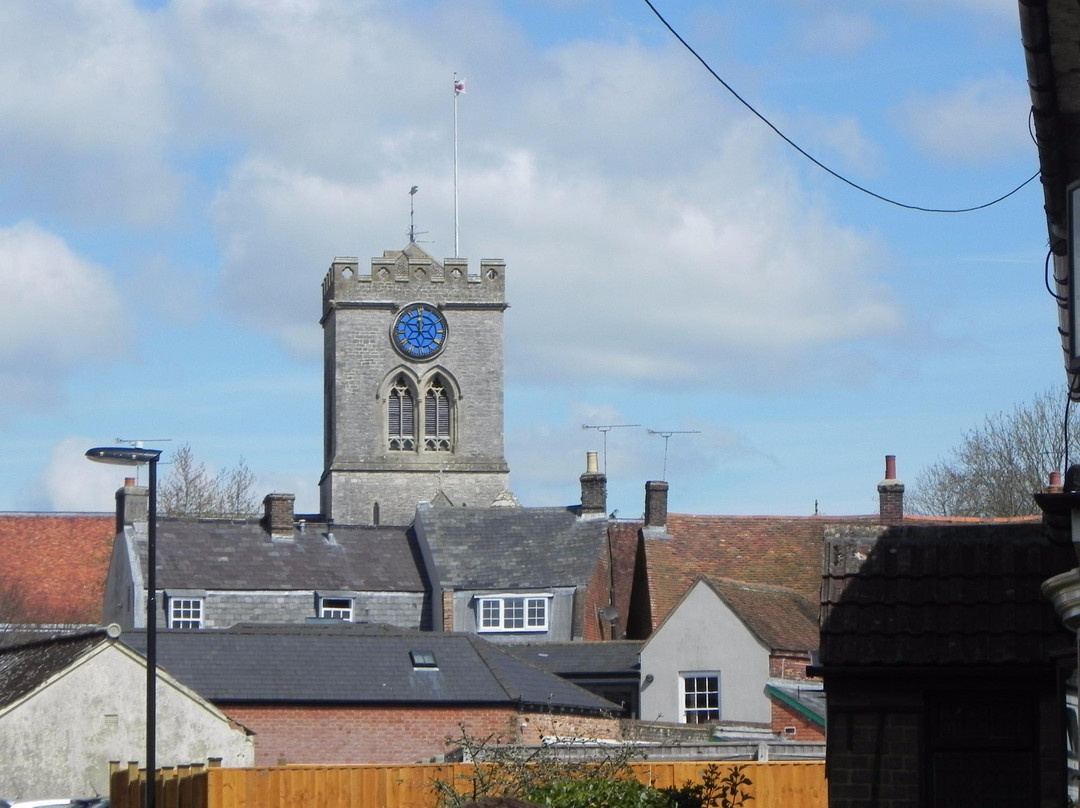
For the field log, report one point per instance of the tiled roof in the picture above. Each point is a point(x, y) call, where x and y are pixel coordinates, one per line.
point(941, 595)
point(240, 554)
point(773, 550)
point(356, 664)
point(579, 658)
point(480, 548)
point(26, 666)
point(58, 562)
point(781, 618)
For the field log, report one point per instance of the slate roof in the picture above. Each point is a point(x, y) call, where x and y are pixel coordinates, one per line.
point(240, 554)
point(488, 548)
point(943, 595)
point(26, 666)
point(357, 664)
point(58, 561)
point(772, 550)
point(782, 619)
point(580, 658)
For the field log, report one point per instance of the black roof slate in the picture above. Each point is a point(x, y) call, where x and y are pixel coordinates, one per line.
point(356, 664)
point(240, 554)
point(954, 595)
point(484, 548)
point(580, 658)
point(27, 665)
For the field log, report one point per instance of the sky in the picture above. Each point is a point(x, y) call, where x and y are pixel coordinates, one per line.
point(177, 176)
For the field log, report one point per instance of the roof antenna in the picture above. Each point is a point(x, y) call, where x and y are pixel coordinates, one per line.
point(667, 433)
point(412, 214)
point(605, 428)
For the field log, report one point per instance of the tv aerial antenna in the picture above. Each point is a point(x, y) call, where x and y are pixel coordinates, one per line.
point(413, 232)
point(666, 435)
point(604, 429)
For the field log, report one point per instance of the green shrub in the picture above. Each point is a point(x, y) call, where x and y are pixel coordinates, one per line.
point(598, 792)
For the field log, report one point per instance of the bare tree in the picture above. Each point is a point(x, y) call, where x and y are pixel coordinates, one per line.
point(189, 490)
point(998, 466)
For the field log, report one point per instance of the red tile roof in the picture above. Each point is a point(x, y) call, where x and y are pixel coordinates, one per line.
point(58, 563)
point(781, 618)
point(773, 550)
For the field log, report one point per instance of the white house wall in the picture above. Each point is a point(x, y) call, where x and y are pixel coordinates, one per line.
point(702, 634)
point(58, 741)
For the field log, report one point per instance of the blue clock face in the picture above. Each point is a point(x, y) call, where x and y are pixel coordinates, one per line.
point(419, 331)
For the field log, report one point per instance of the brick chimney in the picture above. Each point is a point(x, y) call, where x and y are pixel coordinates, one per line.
point(891, 494)
point(593, 489)
point(278, 515)
point(656, 492)
point(132, 504)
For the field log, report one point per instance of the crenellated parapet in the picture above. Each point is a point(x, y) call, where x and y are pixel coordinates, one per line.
point(401, 276)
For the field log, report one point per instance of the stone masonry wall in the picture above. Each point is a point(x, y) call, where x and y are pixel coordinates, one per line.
point(358, 311)
point(225, 609)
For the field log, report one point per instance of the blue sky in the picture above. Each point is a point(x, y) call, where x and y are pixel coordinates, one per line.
point(176, 177)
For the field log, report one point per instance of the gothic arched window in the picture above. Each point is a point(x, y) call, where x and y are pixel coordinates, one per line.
point(437, 436)
point(401, 421)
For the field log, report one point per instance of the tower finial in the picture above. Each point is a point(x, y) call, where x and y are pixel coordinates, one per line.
point(412, 214)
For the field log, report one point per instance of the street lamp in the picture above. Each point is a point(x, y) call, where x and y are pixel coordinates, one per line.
point(137, 456)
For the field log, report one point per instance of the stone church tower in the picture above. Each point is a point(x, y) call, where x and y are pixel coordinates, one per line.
point(413, 355)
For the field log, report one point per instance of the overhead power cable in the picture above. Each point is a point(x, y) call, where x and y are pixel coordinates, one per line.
point(813, 159)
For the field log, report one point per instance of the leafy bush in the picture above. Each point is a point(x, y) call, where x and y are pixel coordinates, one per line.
point(598, 792)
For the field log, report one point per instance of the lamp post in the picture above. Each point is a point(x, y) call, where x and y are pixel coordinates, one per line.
point(137, 456)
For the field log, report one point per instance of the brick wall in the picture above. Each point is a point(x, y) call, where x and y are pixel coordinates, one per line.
point(788, 665)
point(873, 758)
point(335, 734)
point(784, 717)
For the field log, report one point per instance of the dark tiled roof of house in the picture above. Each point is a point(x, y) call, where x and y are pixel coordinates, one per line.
point(240, 554)
point(58, 562)
point(481, 548)
point(773, 550)
point(356, 664)
point(941, 595)
point(579, 658)
point(26, 666)
point(782, 619)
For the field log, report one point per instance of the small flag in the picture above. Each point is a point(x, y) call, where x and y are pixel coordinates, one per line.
point(459, 86)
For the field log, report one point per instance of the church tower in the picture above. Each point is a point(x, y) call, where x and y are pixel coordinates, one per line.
point(413, 398)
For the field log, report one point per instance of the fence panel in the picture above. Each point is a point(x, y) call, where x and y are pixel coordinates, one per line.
point(781, 784)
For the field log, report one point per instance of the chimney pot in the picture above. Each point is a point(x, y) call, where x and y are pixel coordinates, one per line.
point(891, 495)
point(593, 490)
point(1055, 486)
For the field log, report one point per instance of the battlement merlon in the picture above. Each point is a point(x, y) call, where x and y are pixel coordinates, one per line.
point(401, 277)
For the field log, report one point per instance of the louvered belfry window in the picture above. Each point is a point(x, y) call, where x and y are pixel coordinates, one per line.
point(437, 418)
point(401, 428)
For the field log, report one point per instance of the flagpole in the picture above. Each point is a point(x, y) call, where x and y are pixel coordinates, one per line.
point(457, 92)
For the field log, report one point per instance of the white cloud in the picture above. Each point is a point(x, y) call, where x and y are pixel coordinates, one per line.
point(83, 114)
point(70, 482)
point(57, 311)
point(978, 121)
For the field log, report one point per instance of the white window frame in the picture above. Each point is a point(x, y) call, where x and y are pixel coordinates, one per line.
point(334, 608)
point(699, 710)
point(186, 612)
point(513, 612)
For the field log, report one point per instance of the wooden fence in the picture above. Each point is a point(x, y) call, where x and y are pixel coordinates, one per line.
point(781, 784)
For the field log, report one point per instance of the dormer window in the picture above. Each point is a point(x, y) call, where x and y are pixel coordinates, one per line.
point(506, 613)
point(336, 609)
point(185, 613)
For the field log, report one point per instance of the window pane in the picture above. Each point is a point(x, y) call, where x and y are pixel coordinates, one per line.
point(514, 613)
point(185, 612)
point(537, 614)
point(489, 613)
point(701, 698)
